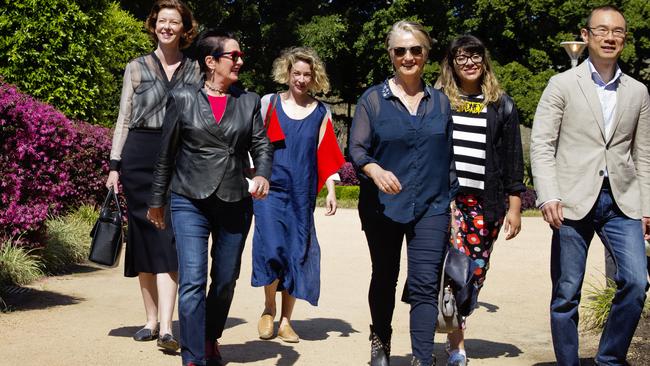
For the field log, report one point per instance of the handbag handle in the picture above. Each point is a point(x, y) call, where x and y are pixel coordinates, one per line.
point(107, 201)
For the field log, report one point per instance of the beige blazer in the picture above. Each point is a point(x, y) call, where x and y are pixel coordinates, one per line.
point(569, 151)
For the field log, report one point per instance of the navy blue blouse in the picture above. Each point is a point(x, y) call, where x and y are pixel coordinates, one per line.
point(418, 150)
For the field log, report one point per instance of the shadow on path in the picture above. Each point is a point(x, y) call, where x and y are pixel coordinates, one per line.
point(129, 331)
point(80, 268)
point(318, 329)
point(488, 307)
point(25, 298)
point(583, 362)
point(477, 349)
point(399, 360)
point(254, 351)
point(480, 349)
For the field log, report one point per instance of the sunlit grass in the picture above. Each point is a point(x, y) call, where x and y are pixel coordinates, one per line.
point(68, 239)
point(598, 303)
point(18, 265)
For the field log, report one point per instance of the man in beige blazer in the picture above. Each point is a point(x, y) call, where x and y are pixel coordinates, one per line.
point(590, 154)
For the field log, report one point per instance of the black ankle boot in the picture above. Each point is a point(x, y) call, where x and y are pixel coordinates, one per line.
point(379, 351)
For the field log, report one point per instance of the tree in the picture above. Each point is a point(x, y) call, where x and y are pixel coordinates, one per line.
point(70, 54)
point(523, 36)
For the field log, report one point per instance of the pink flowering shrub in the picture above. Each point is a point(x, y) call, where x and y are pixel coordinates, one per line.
point(47, 163)
point(528, 198)
point(348, 175)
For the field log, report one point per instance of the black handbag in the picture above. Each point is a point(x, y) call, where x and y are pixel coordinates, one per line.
point(106, 235)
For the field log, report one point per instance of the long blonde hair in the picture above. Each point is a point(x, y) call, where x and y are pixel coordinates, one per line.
point(448, 80)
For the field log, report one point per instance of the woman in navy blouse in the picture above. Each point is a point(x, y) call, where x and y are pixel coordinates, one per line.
point(401, 144)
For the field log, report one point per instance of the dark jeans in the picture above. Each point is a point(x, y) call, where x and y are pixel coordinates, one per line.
point(427, 241)
point(202, 319)
point(623, 238)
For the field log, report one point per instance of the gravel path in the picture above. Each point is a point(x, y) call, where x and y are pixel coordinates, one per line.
point(88, 317)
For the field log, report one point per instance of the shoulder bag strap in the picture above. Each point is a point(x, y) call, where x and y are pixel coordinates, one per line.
point(269, 111)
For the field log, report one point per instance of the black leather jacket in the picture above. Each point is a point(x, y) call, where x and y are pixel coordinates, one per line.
point(201, 157)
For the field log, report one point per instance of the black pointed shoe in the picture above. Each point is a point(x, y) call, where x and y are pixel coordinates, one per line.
point(168, 343)
point(145, 334)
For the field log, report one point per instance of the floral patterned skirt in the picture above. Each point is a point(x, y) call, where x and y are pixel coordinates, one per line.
point(474, 236)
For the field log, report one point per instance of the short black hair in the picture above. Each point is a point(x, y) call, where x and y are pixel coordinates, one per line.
point(209, 42)
point(609, 7)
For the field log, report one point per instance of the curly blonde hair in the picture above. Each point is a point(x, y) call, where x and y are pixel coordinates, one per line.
point(282, 68)
point(189, 24)
point(448, 80)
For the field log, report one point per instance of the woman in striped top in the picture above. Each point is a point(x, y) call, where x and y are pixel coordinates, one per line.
point(489, 160)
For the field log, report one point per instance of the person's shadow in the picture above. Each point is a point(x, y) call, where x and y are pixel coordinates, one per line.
point(478, 349)
point(482, 349)
point(254, 351)
point(129, 331)
point(318, 329)
point(583, 362)
point(490, 308)
point(315, 329)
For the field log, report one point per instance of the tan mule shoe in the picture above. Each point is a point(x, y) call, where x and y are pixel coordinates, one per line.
point(265, 326)
point(287, 334)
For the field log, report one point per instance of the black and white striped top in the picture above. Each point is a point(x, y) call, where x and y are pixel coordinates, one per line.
point(470, 128)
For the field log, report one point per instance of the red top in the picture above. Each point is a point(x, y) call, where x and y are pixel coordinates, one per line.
point(218, 106)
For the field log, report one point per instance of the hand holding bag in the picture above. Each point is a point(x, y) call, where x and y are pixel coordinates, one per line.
point(106, 235)
point(457, 293)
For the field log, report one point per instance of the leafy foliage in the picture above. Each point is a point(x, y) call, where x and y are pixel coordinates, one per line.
point(70, 54)
point(524, 86)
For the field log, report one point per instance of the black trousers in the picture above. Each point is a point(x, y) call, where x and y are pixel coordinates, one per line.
point(427, 241)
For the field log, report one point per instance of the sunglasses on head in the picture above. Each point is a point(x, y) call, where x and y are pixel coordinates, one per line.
point(401, 51)
point(234, 55)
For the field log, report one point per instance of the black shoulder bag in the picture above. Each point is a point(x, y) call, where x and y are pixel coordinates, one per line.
point(106, 235)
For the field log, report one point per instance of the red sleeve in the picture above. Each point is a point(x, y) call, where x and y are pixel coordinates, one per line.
point(272, 124)
point(329, 156)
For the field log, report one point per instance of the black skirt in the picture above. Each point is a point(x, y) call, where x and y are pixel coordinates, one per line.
point(148, 249)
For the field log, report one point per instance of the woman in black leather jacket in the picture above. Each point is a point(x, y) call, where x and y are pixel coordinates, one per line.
point(208, 131)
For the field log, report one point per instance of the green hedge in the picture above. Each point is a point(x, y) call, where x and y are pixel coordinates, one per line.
point(70, 54)
point(346, 196)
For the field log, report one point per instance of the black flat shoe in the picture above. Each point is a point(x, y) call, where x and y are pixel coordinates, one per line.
point(168, 342)
point(145, 334)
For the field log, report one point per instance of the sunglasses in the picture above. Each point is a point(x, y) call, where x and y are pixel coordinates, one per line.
point(401, 51)
point(234, 55)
